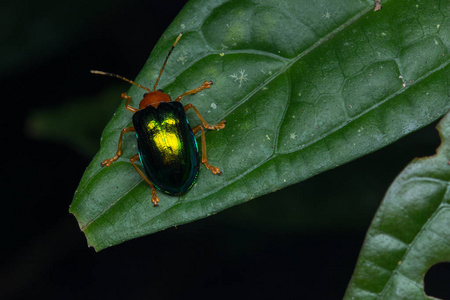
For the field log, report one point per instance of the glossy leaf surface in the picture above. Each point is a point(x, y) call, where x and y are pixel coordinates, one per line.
point(410, 231)
point(305, 86)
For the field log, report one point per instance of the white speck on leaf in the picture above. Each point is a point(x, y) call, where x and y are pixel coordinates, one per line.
point(213, 105)
point(241, 78)
point(293, 136)
point(182, 59)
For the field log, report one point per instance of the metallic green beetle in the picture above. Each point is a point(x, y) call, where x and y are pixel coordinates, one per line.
point(167, 147)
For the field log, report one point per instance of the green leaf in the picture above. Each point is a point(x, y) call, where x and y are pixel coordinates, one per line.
point(305, 86)
point(410, 231)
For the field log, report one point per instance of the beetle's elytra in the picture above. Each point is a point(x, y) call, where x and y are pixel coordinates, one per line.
point(167, 147)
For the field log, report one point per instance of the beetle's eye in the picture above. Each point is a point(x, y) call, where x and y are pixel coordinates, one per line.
point(160, 90)
point(145, 94)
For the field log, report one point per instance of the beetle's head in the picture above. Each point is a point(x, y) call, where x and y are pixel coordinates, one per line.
point(154, 99)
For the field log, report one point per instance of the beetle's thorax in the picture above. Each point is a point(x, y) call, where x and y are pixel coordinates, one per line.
point(154, 99)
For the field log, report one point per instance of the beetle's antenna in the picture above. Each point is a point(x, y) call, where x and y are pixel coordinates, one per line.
point(120, 77)
point(167, 57)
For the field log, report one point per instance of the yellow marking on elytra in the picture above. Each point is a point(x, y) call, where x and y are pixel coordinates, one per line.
point(165, 139)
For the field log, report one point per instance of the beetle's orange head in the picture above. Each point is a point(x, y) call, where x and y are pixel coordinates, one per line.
point(154, 99)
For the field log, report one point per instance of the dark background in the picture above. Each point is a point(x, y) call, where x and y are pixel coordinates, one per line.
point(301, 242)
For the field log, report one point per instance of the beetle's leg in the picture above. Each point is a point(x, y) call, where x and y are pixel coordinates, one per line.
point(221, 125)
point(155, 198)
point(108, 162)
point(127, 104)
point(205, 85)
point(213, 169)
